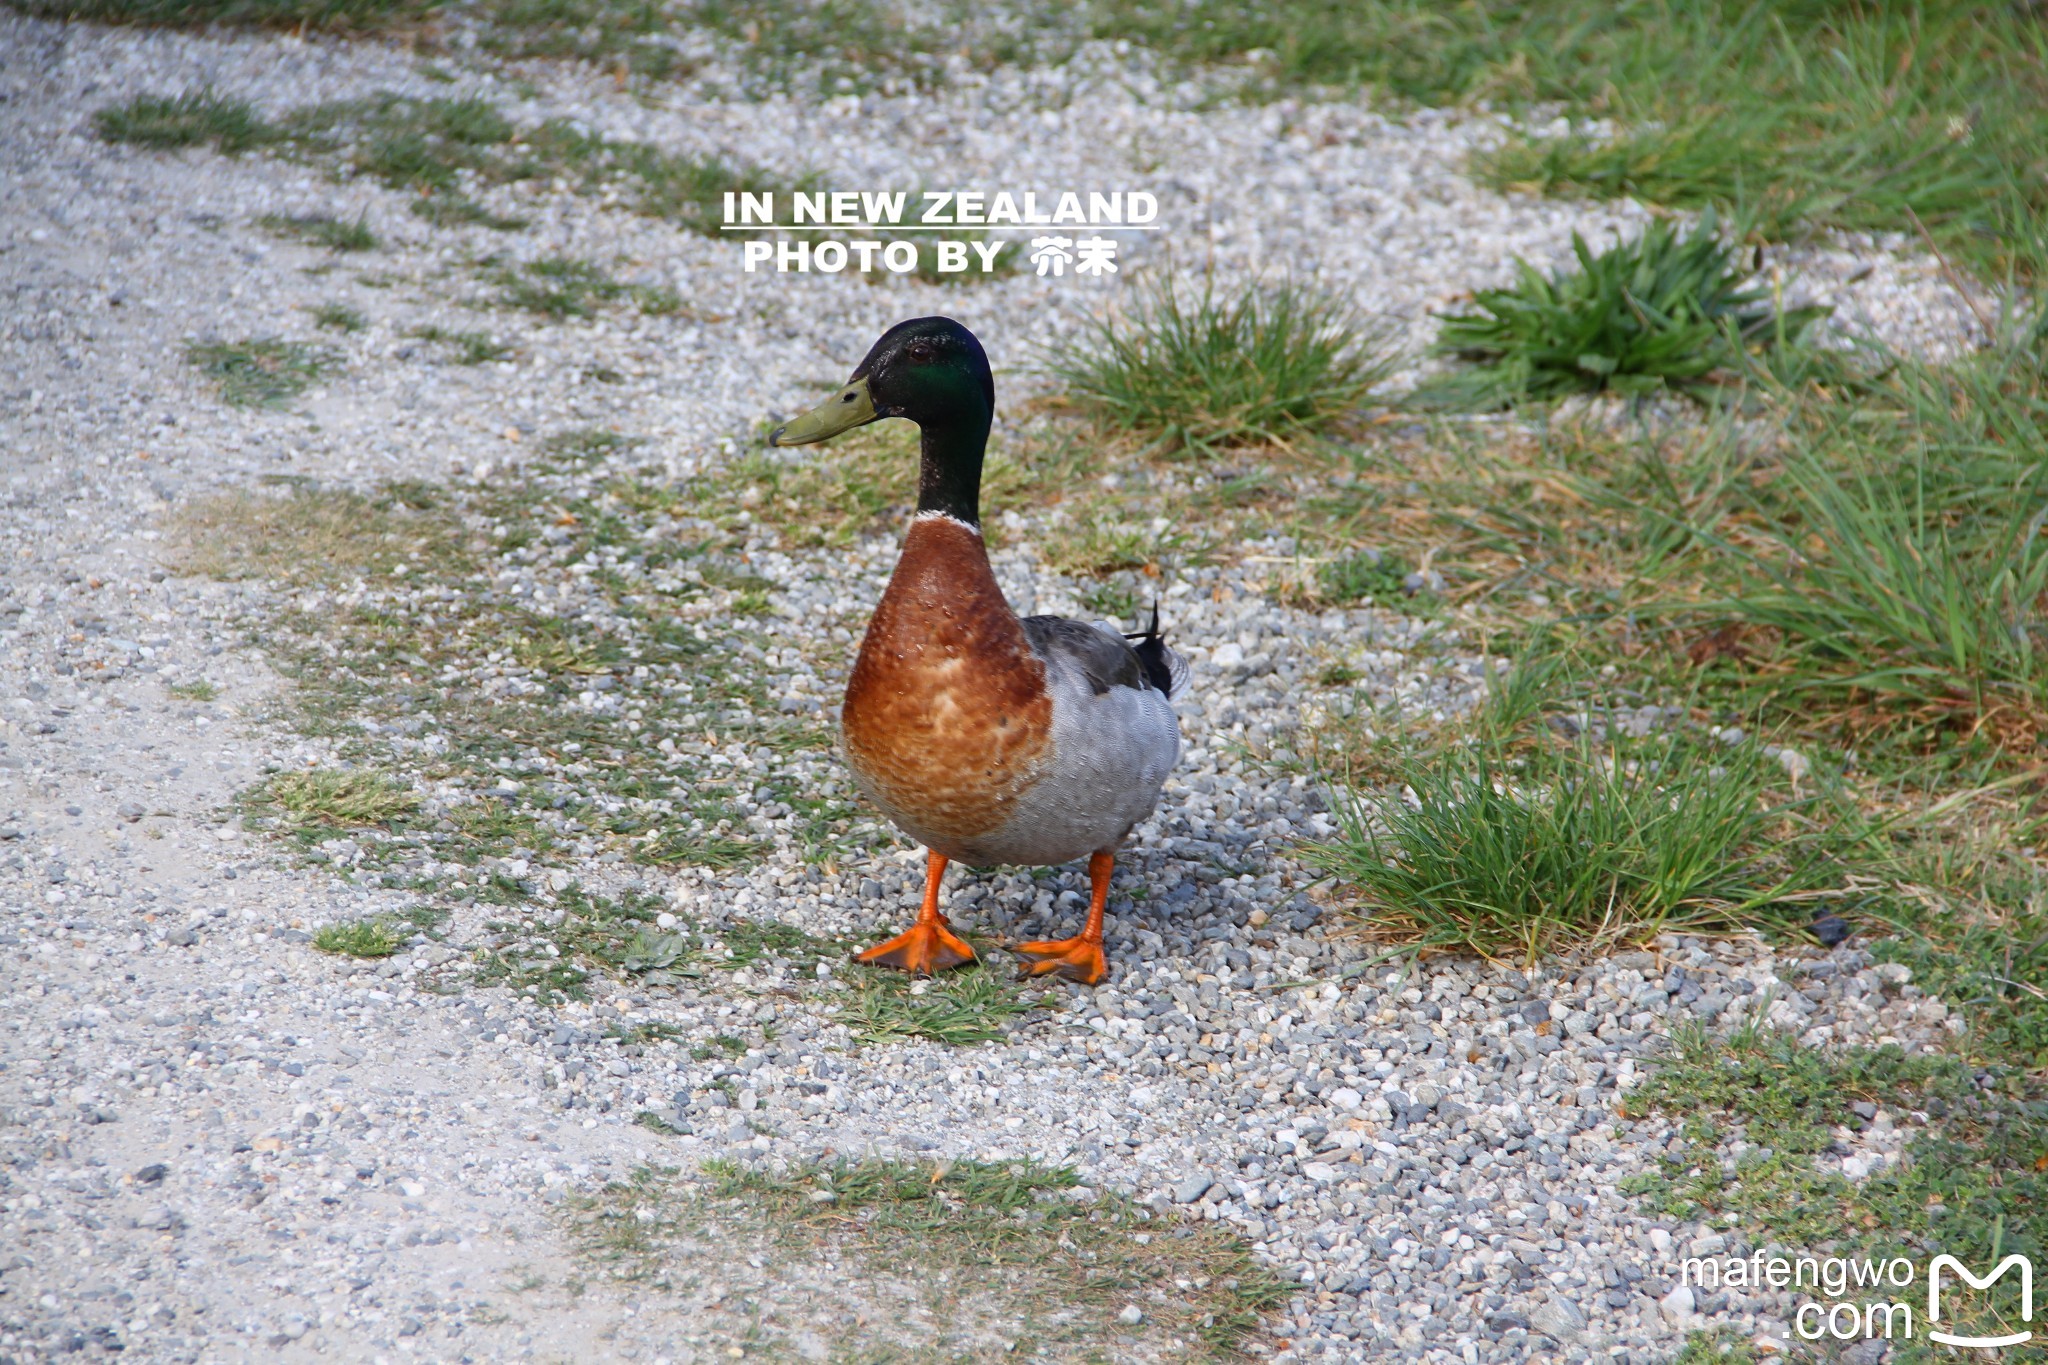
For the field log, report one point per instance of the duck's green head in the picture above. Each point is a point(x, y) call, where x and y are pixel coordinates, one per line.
point(930, 370)
point(933, 372)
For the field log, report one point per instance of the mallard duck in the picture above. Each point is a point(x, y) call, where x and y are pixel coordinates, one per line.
point(986, 737)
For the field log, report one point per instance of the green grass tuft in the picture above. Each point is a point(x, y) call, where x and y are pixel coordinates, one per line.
point(1663, 311)
point(1197, 374)
point(566, 287)
point(1721, 1346)
point(366, 938)
point(471, 348)
point(340, 15)
point(1370, 575)
point(324, 229)
point(1888, 590)
point(260, 373)
point(958, 1009)
point(327, 799)
point(1519, 842)
point(193, 119)
point(339, 317)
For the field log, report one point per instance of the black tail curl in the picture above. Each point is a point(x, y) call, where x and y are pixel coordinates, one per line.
point(1164, 669)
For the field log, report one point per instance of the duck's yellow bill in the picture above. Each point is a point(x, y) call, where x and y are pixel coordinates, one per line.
point(849, 408)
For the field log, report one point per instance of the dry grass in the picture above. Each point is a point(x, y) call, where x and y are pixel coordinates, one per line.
point(307, 535)
point(327, 799)
point(865, 483)
point(922, 1262)
point(1062, 1260)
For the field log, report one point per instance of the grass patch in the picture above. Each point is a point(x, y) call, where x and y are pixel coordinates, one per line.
point(342, 15)
point(199, 689)
point(1519, 842)
point(447, 150)
point(1022, 1222)
point(1990, 960)
point(555, 952)
point(1885, 590)
point(1199, 374)
point(1865, 575)
point(316, 803)
point(559, 287)
point(857, 46)
point(262, 373)
point(958, 1009)
point(1369, 575)
point(362, 938)
point(632, 37)
point(1791, 1097)
point(194, 119)
point(312, 535)
point(639, 720)
point(1782, 116)
point(1095, 542)
point(323, 229)
point(442, 148)
point(582, 446)
point(468, 348)
point(1664, 311)
point(1721, 1346)
point(339, 317)
point(865, 483)
point(1969, 1184)
point(566, 287)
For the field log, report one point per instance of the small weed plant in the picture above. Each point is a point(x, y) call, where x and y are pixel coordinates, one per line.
point(1195, 373)
point(1664, 311)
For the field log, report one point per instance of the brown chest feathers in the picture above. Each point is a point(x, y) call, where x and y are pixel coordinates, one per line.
point(947, 719)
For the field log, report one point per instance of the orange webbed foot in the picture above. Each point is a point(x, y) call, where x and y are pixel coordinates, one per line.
point(1076, 959)
point(925, 947)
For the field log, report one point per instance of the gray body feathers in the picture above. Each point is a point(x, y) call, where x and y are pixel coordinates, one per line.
point(1114, 740)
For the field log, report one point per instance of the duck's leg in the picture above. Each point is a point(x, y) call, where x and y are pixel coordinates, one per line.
point(927, 946)
point(1078, 958)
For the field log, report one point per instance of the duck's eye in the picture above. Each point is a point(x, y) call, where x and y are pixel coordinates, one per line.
point(920, 351)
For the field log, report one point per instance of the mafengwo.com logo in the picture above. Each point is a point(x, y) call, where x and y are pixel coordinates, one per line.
point(1849, 1299)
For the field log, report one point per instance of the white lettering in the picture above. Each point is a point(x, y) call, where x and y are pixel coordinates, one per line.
point(882, 208)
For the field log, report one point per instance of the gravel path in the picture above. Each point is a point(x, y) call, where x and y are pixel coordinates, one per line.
point(219, 1143)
